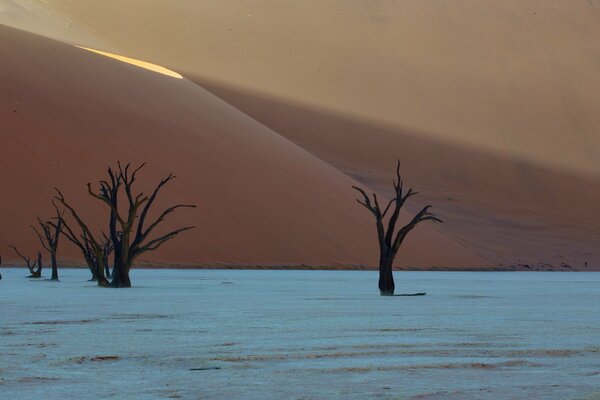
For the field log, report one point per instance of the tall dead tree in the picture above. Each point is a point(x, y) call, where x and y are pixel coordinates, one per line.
point(130, 231)
point(389, 239)
point(49, 239)
point(91, 248)
point(35, 267)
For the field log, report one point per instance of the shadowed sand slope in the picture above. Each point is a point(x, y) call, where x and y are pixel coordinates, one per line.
point(66, 113)
point(510, 210)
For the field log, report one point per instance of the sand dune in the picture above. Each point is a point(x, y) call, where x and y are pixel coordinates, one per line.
point(492, 105)
point(514, 212)
point(39, 16)
point(66, 113)
point(517, 77)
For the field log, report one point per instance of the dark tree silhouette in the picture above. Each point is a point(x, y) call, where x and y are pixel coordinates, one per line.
point(91, 248)
point(130, 232)
point(49, 239)
point(106, 252)
point(0, 266)
point(389, 239)
point(35, 267)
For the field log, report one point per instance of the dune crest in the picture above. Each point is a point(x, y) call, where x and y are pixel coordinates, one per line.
point(138, 63)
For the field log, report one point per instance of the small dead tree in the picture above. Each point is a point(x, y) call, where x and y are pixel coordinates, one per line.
point(130, 231)
point(49, 239)
point(91, 248)
point(389, 239)
point(35, 267)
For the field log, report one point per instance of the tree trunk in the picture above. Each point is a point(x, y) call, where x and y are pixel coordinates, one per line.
point(93, 278)
point(102, 281)
point(106, 267)
point(91, 267)
point(37, 273)
point(386, 277)
point(120, 277)
point(100, 277)
point(54, 266)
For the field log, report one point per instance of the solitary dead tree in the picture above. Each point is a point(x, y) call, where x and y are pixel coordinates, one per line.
point(390, 240)
point(130, 231)
point(49, 239)
point(91, 248)
point(35, 267)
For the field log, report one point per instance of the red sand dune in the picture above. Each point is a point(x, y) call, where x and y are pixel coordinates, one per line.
point(66, 113)
point(491, 105)
point(511, 211)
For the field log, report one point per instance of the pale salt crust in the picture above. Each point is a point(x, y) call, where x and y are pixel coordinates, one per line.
point(212, 334)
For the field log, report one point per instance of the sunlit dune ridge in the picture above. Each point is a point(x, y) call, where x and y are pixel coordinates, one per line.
point(138, 63)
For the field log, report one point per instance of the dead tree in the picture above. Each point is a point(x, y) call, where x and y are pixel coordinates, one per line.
point(91, 248)
point(130, 232)
point(389, 239)
point(35, 267)
point(49, 240)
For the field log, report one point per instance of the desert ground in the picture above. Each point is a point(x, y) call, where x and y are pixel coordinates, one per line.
point(215, 334)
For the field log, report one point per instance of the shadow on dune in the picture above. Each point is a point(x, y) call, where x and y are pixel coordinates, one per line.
point(509, 210)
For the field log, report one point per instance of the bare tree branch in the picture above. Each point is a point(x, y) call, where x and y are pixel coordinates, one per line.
point(42, 241)
point(156, 243)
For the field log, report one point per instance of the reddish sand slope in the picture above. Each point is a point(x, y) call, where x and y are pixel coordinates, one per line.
point(492, 105)
point(513, 212)
point(66, 113)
